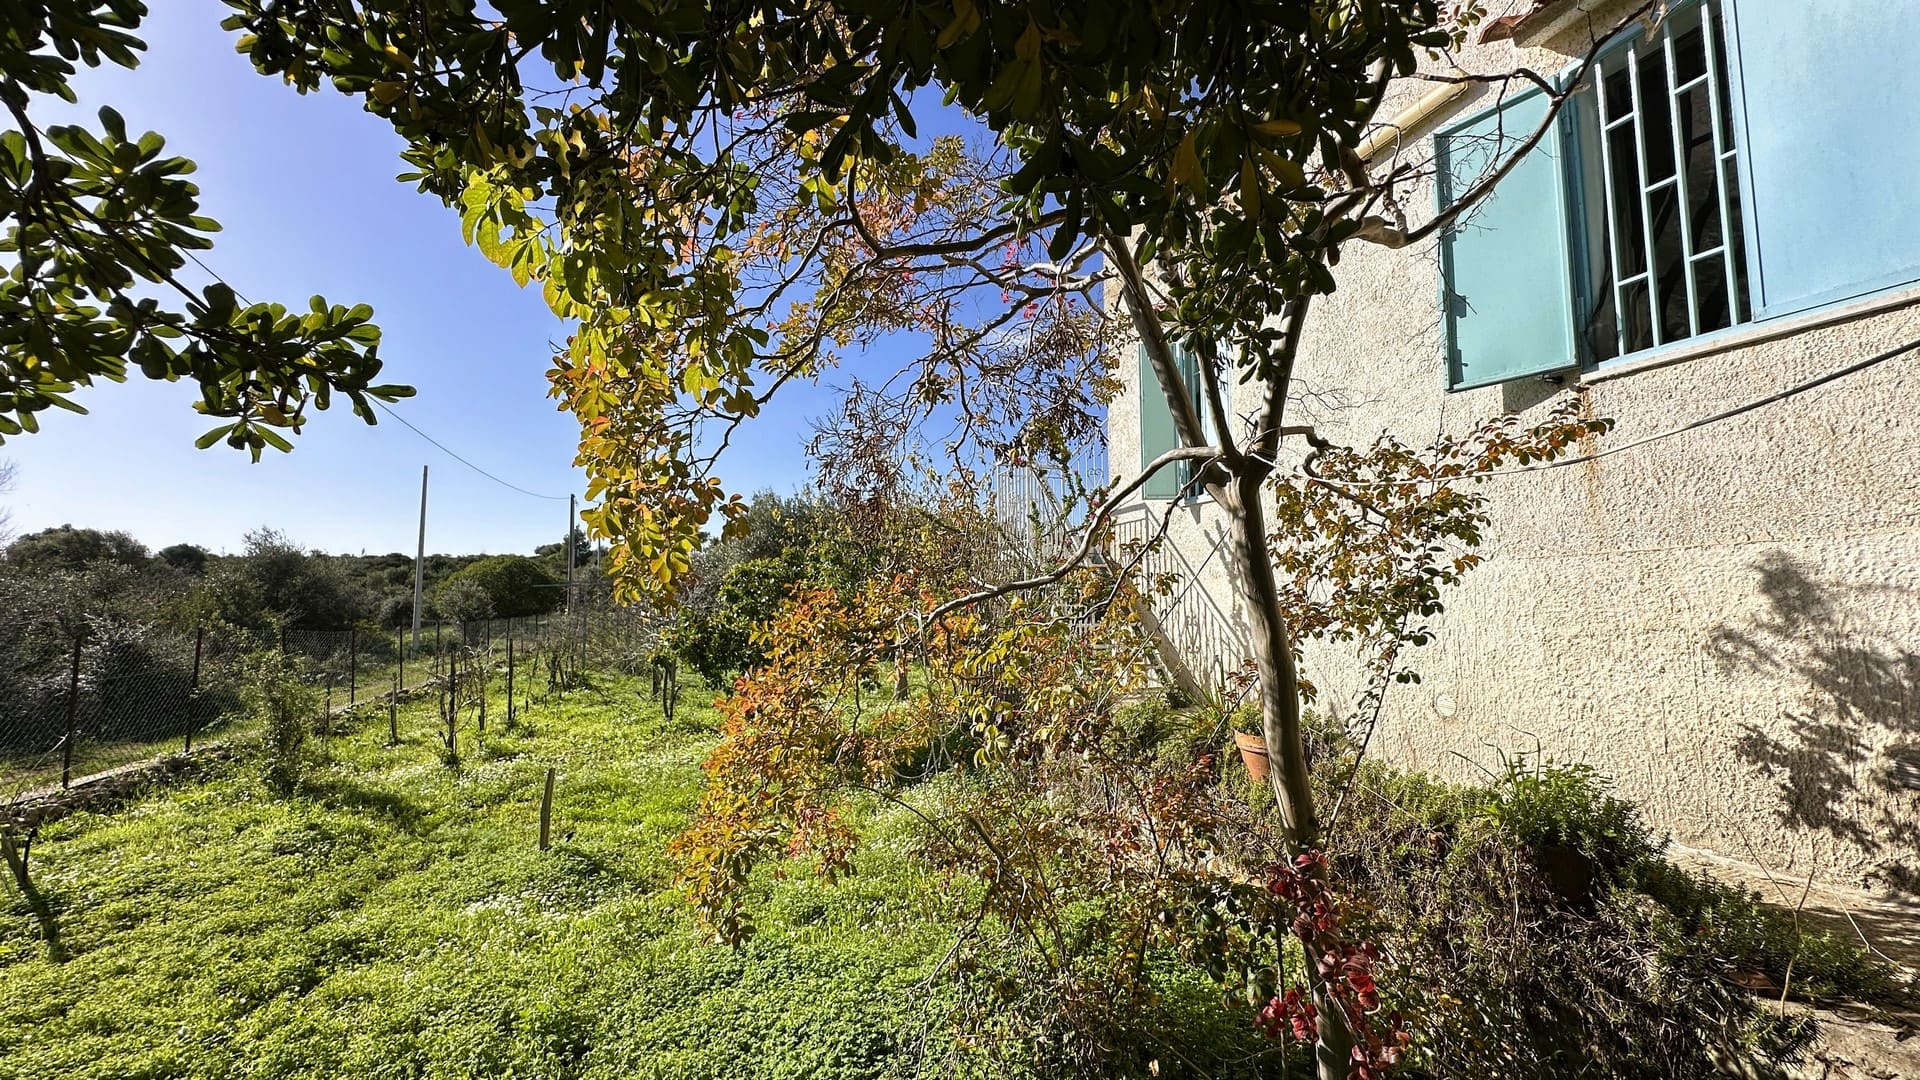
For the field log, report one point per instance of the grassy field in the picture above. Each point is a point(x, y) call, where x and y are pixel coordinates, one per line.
point(394, 918)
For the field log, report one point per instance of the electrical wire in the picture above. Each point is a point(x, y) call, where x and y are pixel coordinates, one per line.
point(1726, 414)
point(443, 449)
point(384, 407)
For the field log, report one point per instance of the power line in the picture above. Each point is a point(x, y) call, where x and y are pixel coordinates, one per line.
point(1727, 414)
point(387, 409)
point(443, 449)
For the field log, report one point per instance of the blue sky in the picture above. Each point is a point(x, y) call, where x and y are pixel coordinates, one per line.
point(304, 187)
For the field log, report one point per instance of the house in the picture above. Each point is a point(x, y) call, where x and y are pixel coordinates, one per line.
point(1725, 621)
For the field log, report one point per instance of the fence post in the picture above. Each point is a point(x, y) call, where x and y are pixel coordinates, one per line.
point(509, 674)
point(546, 810)
point(393, 707)
point(353, 664)
point(193, 688)
point(73, 716)
point(283, 639)
point(326, 724)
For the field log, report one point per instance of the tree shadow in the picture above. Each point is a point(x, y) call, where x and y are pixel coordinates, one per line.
point(1855, 692)
point(37, 903)
point(346, 794)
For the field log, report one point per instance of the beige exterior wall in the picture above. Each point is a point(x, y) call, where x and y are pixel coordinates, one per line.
point(1726, 622)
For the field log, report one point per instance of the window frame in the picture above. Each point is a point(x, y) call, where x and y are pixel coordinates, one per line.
point(1758, 318)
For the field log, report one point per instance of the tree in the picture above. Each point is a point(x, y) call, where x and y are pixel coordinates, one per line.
point(187, 558)
point(275, 580)
point(728, 198)
point(98, 223)
point(556, 553)
point(513, 584)
point(68, 548)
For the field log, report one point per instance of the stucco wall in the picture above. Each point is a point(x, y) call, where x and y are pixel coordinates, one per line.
point(1727, 622)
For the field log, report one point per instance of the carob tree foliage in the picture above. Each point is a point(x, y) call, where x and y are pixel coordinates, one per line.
point(726, 197)
point(96, 224)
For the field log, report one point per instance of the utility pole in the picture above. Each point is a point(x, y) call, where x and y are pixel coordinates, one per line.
point(420, 559)
point(569, 554)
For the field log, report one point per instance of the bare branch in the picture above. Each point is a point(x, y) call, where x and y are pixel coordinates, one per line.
point(1153, 338)
point(1379, 231)
point(1207, 454)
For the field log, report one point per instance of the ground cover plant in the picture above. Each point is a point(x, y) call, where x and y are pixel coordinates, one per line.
point(392, 917)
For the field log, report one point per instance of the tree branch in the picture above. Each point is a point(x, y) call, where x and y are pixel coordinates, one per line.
point(1153, 338)
point(1379, 231)
point(1208, 454)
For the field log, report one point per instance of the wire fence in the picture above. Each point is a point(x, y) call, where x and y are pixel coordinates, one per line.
point(122, 696)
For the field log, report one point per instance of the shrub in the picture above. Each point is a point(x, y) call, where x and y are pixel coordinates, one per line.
point(515, 585)
point(1532, 927)
point(284, 704)
point(464, 600)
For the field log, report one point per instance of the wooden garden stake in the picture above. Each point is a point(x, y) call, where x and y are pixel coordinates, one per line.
point(546, 811)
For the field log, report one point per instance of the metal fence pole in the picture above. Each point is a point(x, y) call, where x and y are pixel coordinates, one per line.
point(193, 688)
point(73, 717)
point(353, 664)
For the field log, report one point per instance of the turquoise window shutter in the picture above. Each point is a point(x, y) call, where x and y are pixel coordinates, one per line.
point(1831, 137)
point(1157, 434)
point(1506, 266)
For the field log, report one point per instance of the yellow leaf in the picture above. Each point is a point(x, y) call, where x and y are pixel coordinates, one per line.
point(966, 19)
point(1277, 128)
point(1186, 165)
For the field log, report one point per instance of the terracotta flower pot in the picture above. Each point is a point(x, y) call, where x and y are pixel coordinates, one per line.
point(1253, 752)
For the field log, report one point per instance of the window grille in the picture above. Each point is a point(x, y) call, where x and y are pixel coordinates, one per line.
point(1666, 260)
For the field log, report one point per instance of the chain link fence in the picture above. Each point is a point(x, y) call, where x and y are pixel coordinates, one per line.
point(122, 695)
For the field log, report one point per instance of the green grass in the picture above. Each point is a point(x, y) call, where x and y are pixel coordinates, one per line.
point(393, 918)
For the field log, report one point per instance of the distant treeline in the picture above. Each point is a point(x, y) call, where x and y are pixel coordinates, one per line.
point(273, 582)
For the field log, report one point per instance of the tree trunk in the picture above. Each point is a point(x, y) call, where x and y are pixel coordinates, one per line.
point(1280, 722)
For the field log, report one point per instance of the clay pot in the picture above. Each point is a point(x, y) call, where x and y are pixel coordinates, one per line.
point(1253, 753)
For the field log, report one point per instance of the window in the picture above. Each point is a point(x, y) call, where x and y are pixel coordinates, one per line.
point(1741, 161)
point(1660, 195)
point(1157, 432)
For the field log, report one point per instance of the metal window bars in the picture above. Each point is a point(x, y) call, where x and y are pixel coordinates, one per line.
point(1672, 216)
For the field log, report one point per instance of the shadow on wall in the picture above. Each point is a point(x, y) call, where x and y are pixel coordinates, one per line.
point(1849, 765)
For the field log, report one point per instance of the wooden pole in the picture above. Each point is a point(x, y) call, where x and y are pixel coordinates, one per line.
point(509, 674)
point(393, 709)
point(546, 811)
point(420, 559)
